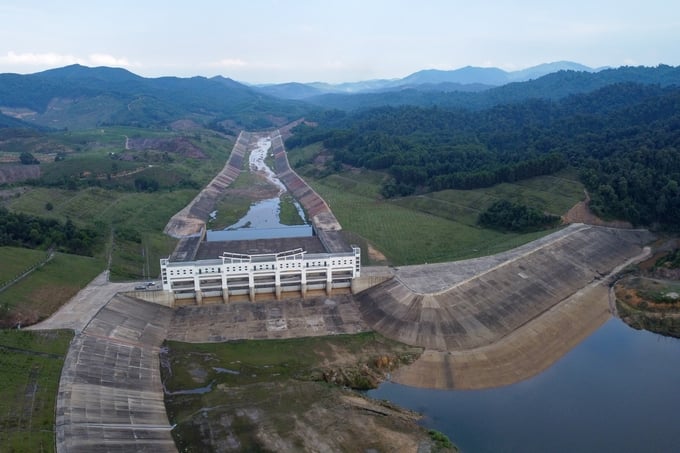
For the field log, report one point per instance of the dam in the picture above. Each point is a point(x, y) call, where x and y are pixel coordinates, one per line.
point(264, 266)
point(482, 322)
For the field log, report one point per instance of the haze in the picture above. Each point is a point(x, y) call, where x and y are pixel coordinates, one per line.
point(271, 41)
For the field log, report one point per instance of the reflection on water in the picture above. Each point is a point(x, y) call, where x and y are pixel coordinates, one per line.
point(263, 214)
point(619, 390)
point(296, 231)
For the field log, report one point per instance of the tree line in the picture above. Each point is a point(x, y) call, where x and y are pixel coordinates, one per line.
point(623, 138)
point(23, 230)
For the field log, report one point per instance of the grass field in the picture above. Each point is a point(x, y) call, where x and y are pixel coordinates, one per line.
point(106, 209)
point(433, 227)
point(46, 289)
point(30, 367)
point(14, 260)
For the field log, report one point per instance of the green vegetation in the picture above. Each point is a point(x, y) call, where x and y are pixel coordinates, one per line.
point(37, 232)
point(15, 260)
point(245, 392)
point(670, 260)
point(124, 195)
point(648, 303)
point(30, 367)
point(289, 214)
point(434, 227)
point(622, 138)
point(269, 360)
point(505, 215)
point(640, 318)
point(107, 96)
point(46, 289)
point(441, 440)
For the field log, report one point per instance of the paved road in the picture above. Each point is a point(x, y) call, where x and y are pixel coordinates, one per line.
point(78, 312)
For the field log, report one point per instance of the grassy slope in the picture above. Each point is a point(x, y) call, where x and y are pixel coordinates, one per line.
point(30, 367)
point(14, 260)
point(433, 227)
point(46, 289)
point(145, 213)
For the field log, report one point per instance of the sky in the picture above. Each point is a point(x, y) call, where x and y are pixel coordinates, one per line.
point(276, 41)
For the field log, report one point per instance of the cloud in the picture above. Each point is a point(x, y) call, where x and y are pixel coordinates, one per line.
point(53, 59)
point(229, 63)
point(38, 59)
point(102, 59)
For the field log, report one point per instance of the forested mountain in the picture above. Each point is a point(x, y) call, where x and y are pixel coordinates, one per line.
point(624, 138)
point(552, 86)
point(77, 96)
point(618, 126)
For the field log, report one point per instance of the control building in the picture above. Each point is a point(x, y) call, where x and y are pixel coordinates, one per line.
point(200, 268)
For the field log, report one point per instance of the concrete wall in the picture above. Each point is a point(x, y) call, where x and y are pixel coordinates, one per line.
point(370, 277)
point(164, 298)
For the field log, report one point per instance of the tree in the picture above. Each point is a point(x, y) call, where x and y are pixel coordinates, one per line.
point(27, 158)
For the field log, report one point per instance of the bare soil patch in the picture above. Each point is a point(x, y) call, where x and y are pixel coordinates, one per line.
point(179, 145)
point(581, 213)
point(375, 255)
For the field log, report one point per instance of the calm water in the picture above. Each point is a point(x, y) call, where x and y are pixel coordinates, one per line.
point(618, 391)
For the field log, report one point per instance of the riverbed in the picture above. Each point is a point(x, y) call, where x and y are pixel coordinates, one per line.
point(619, 390)
point(263, 216)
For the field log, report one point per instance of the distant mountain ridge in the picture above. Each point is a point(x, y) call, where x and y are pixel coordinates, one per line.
point(468, 78)
point(79, 96)
point(553, 86)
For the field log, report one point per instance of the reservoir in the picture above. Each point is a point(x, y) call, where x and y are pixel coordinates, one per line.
point(619, 390)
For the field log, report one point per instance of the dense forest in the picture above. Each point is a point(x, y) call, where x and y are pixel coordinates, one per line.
point(22, 230)
point(623, 138)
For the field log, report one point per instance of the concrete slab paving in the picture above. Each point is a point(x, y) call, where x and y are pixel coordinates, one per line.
point(316, 316)
point(488, 299)
point(110, 393)
point(527, 350)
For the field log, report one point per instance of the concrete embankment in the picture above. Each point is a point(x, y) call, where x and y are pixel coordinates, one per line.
point(110, 393)
point(191, 219)
point(524, 353)
point(494, 321)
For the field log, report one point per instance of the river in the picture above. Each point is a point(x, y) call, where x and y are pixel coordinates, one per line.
point(619, 390)
point(263, 216)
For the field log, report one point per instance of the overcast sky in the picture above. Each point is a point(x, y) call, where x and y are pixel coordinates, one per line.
point(267, 41)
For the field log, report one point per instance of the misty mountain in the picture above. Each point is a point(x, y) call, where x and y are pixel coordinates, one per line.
point(541, 70)
point(78, 97)
point(468, 78)
point(552, 86)
point(466, 75)
point(292, 90)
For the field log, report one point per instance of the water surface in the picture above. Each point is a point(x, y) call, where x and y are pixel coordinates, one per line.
point(263, 217)
point(619, 390)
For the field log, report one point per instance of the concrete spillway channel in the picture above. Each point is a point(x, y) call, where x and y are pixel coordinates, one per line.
point(494, 321)
point(110, 395)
